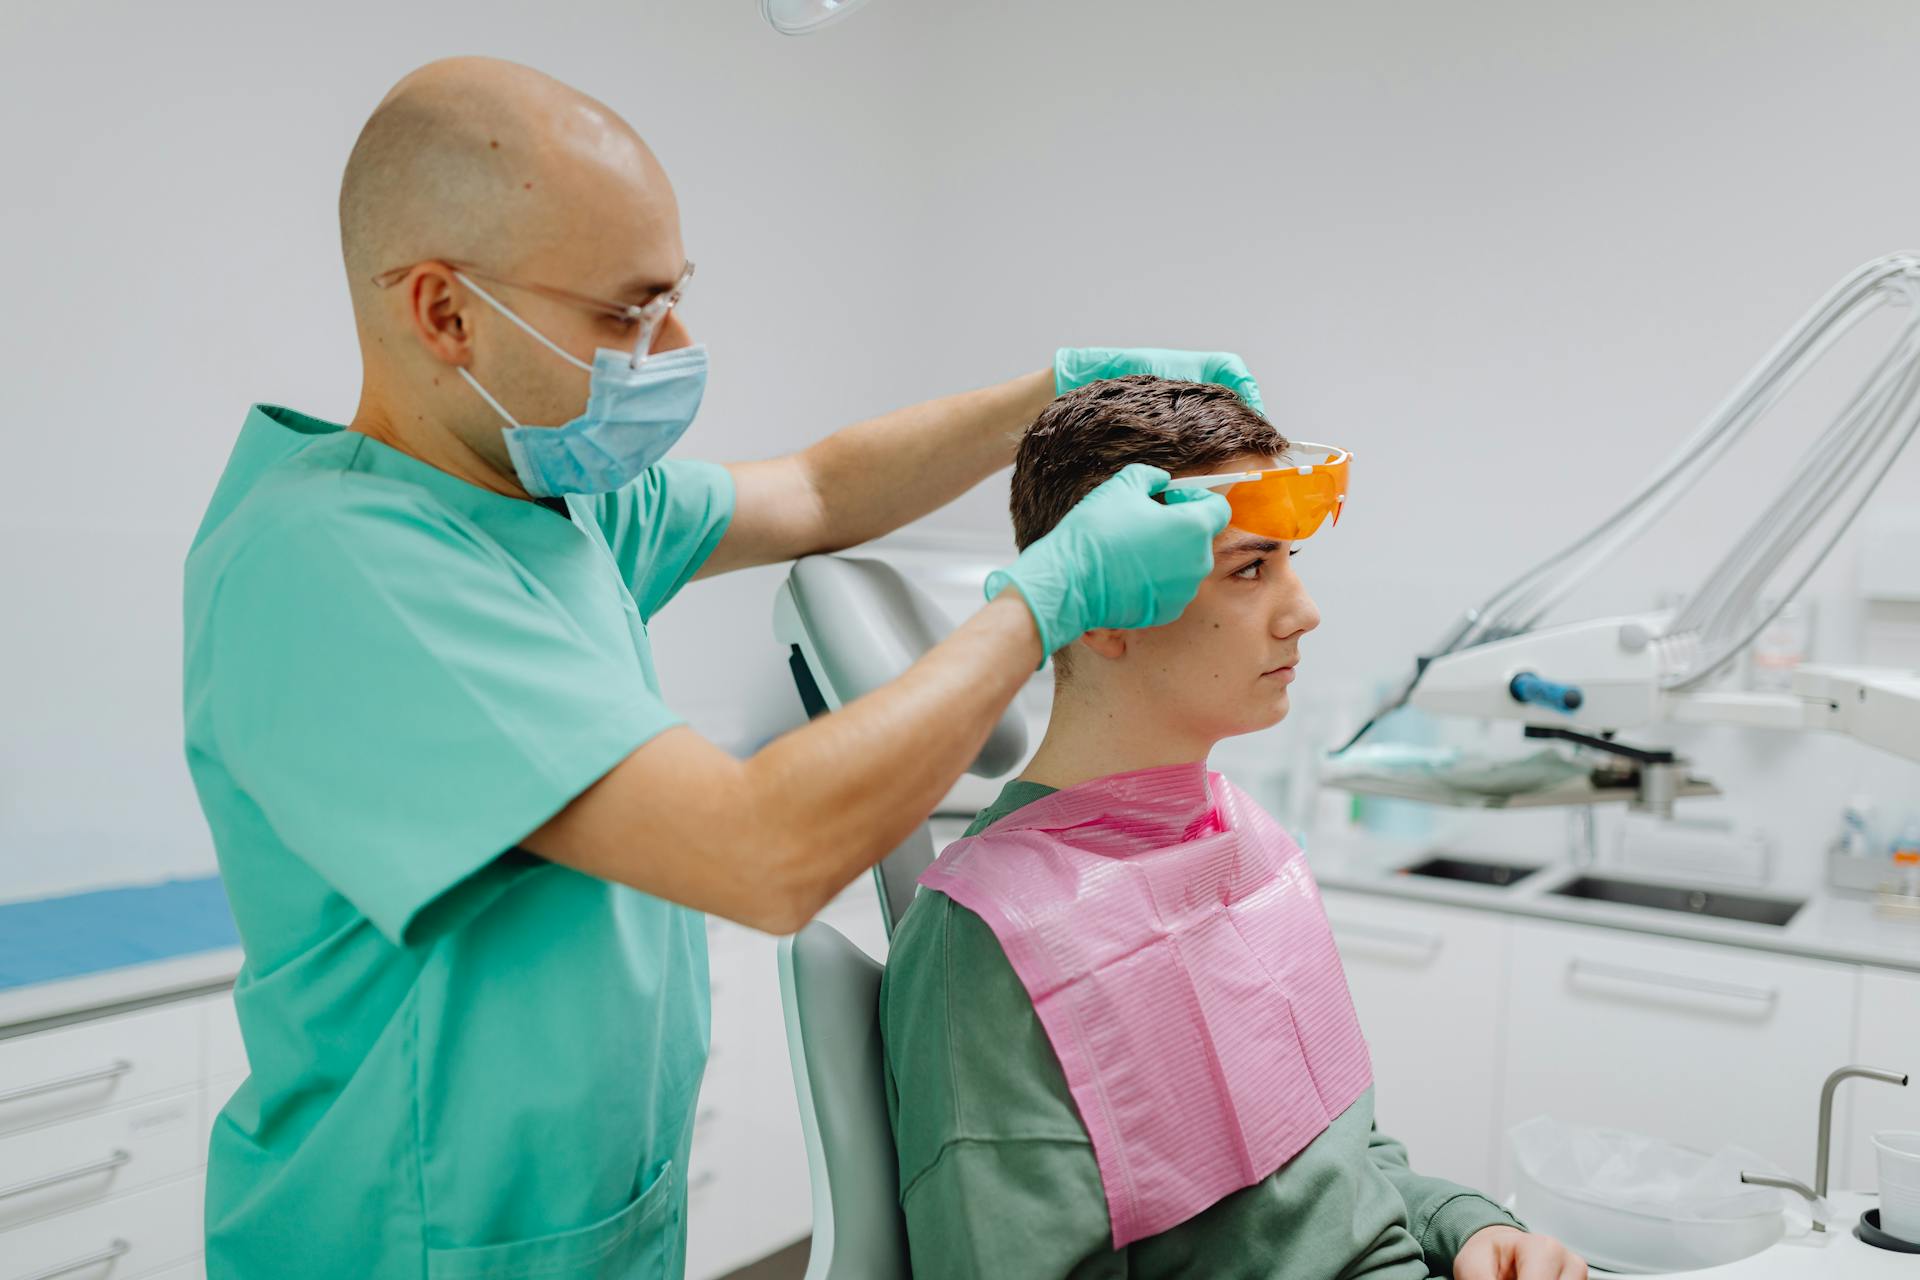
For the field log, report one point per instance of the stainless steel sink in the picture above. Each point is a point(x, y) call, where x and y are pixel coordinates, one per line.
point(1470, 870)
point(1666, 897)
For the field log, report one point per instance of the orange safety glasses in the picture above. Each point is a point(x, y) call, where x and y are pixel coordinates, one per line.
point(1288, 503)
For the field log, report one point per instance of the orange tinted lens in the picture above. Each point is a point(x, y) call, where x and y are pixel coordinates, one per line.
point(1285, 505)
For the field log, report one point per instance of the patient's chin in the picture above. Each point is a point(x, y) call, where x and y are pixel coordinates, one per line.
point(1263, 713)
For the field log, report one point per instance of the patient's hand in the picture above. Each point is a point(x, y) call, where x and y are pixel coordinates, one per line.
point(1507, 1253)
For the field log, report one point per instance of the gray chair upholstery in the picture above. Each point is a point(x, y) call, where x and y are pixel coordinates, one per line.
point(851, 625)
point(830, 990)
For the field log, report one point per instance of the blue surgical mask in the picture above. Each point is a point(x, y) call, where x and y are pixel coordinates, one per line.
point(638, 406)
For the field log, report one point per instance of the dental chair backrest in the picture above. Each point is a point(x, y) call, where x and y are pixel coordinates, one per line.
point(851, 625)
point(830, 990)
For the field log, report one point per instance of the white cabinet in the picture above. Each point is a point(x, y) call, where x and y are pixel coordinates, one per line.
point(63, 1166)
point(1707, 1046)
point(213, 1096)
point(126, 1236)
point(1427, 983)
point(103, 1141)
point(223, 1052)
point(1888, 1035)
point(90, 1066)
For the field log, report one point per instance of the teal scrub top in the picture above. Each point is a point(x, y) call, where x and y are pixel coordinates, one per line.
point(466, 1062)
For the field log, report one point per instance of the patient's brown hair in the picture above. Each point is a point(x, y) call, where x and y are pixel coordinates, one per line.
point(1087, 435)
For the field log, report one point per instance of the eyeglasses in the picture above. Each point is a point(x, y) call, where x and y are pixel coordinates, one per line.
point(648, 315)
point(1288, 503)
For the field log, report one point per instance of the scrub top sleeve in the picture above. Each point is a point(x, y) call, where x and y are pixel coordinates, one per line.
point(663, 526)
point(402, 708)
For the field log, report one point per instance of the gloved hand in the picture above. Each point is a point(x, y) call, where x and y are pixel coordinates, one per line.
point(1077, 366)
point(1118, 559)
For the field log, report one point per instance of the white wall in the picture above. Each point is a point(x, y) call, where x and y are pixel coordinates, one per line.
point(1505, 251)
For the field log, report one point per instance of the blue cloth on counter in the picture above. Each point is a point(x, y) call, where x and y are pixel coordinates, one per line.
point(46, 939)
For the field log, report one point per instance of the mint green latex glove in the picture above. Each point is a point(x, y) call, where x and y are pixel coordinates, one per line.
point(1118, 559)
point(1077, 366)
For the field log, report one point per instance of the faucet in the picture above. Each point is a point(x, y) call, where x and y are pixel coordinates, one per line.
point(1817, 1193)
point(1822, 1147)
point(1815, 1205)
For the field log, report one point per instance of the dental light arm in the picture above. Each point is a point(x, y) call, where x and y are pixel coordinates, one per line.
point(1651, 668)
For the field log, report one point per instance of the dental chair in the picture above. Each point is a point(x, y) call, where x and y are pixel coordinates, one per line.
point(851, 625)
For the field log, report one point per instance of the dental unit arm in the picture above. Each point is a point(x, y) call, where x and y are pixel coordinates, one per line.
point(1588, 680)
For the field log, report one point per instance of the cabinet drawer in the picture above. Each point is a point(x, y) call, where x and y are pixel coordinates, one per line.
point(194, 1269)
point(60, 1167)
point(1427, 983)
point(220, 1027)
point(212, 1098)
point(127, 1236)
point(1707, 1046)
point(94, 1065)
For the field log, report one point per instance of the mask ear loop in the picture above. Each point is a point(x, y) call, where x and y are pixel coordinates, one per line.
point(487, 396)
point(531, 332)
point(528, 329)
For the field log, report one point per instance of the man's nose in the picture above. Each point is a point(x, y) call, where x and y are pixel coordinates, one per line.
point(670, 336)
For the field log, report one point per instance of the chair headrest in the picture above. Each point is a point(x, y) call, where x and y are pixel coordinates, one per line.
point(861, 624)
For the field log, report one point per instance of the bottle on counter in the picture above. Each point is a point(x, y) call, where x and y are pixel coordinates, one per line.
point(1856, 828)
point(1905, 848)
point(1905, 851)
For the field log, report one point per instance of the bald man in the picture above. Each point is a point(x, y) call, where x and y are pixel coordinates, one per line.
point(466, 841)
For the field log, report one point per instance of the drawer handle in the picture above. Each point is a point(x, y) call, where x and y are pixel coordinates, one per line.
point(108, 1165)
point(1412, 939)
point(118, 1067)
point(1762, 997)
point(115, 1250)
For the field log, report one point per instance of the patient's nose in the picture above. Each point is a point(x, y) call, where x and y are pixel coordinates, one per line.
point(1297, 613)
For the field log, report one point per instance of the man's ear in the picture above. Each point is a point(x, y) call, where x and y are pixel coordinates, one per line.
point(1106, 642)
point(435, 309)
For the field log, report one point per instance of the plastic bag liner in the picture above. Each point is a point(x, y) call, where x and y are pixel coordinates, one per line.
point(1641, 1174)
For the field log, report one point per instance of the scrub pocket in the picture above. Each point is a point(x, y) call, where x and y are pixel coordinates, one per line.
point(634, 1243)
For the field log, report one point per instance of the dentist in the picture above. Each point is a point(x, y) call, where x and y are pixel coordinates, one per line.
point(466, 842)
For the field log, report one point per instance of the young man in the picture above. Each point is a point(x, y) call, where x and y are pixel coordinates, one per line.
point(1130, 1051)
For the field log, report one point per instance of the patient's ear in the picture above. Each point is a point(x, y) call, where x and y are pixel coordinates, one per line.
point(1107, 642)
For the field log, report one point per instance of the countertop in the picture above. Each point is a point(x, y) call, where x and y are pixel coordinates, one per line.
point(79, 955)
point(1834, 924)
point(48, 1004)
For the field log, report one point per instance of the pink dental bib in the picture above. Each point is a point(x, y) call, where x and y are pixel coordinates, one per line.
point(1175, 948)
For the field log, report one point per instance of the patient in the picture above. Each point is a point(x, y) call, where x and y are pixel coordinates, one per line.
point(1166, 1078)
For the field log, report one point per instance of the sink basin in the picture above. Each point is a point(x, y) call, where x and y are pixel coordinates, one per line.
point(1750, 908)
point(1470, 870)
